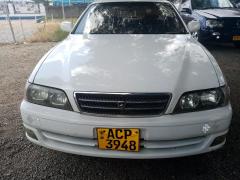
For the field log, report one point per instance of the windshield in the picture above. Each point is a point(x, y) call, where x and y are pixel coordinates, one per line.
point(211, 4)
point(130, 18)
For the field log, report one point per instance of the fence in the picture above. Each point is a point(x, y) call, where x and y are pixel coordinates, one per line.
point(70, 11)
point(19, 27)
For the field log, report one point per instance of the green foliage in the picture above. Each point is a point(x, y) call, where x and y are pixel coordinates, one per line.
point(50, 32)
point(59, 35)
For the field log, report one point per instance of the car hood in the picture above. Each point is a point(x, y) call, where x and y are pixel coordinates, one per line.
point(220, 13)
point(128, 63)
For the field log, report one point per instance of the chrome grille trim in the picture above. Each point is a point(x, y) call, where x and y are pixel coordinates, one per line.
point(122, 104)
point(138, 109)
point(132, 102)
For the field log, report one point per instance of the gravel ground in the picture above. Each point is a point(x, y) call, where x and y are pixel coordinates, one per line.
point(20, 159)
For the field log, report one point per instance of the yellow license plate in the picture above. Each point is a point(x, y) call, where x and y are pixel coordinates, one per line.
point(118, 139)
point(236, 38)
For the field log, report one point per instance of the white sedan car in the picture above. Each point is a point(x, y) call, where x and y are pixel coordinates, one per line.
point(130, 81)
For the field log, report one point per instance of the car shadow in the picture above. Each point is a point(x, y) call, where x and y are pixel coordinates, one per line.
point(193, 167)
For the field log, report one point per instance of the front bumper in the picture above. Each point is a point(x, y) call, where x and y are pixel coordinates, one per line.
point(218, 35)
point(162, 137)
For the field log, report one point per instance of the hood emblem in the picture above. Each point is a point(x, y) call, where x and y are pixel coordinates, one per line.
point(121, 105)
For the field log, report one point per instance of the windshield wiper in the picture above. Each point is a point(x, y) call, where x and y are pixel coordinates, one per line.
point(215, 8)
point(226, 7)
point(210, 8)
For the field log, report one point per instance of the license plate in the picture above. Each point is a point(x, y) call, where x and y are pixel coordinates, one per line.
point(118, 139)
point(236, 38)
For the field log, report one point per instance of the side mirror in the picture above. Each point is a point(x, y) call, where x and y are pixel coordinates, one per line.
point(194, 26)
point(186, 10)
point(66, 26)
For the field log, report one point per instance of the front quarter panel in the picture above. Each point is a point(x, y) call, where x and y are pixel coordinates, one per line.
point(37, 67)
point(220, 75)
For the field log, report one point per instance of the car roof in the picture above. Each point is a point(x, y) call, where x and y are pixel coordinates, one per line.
point(105, 1)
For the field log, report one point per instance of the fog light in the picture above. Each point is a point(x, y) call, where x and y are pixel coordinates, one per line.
point(31, 134)
point(218, 140)
point(216, 34)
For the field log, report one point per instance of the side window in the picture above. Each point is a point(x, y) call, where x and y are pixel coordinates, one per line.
point(186, 4)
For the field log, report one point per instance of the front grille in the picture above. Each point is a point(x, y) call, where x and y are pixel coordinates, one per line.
point(129, 104)
point(232, 25)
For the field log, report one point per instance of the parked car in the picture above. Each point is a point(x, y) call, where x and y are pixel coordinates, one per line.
point(236, 3)
point(178, 5)
point(219, 19)
point(130, 81)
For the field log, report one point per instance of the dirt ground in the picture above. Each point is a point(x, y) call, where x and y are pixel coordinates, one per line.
point(20, 159)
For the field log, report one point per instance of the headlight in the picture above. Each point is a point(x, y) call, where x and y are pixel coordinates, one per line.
point(214, 23)
point(203, 100)
point(47, 96)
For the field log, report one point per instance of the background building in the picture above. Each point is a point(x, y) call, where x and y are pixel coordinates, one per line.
point(24, 9)
point(69, 2)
